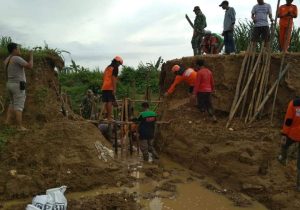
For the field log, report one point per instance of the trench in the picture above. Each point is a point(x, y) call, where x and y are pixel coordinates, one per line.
point(162, 185)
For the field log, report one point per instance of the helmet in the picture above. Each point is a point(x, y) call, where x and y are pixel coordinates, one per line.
point(119, 59)
point(175, 68)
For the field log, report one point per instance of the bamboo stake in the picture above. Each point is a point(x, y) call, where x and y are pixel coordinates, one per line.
point(245, 89)
point(269, 93)
point(237, 90)
point(280, 70)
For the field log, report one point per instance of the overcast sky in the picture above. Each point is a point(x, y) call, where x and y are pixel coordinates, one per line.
point(94, 31)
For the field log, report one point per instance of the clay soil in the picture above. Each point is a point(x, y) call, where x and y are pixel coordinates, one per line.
point(244, 158)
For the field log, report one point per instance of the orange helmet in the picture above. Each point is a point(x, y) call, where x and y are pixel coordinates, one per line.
point(119, 59)
point(175, 68)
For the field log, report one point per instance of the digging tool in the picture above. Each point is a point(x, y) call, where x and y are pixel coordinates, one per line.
point(1, 105)
point(189, 20)
point(63, 109)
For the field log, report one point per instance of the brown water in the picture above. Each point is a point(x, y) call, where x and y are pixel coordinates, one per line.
point(189, 193)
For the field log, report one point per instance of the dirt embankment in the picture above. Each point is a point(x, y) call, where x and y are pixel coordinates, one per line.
point(242, 159)
point(55, 151)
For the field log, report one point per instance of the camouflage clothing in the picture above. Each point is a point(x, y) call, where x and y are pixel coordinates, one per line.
point(87, 106)
point(199, 26)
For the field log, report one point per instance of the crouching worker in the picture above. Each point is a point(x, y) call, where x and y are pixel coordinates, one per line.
point(291, 134)
point(147, 120)
point(182, 75)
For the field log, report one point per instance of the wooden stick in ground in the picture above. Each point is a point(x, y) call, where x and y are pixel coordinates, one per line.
point(280, 70)
point(237, 89)
point(246, 74)
point(244, 90)
point(269, 93)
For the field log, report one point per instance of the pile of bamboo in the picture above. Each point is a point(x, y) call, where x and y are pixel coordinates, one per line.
point(252, 90)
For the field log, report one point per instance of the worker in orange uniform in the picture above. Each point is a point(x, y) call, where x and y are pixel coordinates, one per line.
point(291, 134)
point(286, 13)
point(182, 75)
point(204, 86)
point(109, 86)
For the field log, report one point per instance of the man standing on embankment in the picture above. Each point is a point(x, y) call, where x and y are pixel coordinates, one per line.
point(109, 86)
point(286, 14)
point(291, 134)
point(199, 26)
point(16, 83)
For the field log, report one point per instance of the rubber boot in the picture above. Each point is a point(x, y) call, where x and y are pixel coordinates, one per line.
point(298, 181)
point(282, 158)
point(195, 51)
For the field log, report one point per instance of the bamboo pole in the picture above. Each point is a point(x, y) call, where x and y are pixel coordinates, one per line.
point(269, 93)
point(280, 70)
point(237, 89)
point(244, 90)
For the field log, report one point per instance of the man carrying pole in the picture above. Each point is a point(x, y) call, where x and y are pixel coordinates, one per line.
point(286, 14)
point(199, 26)
point(291, 134)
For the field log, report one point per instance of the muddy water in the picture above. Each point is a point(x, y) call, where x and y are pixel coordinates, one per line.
point(170, 187)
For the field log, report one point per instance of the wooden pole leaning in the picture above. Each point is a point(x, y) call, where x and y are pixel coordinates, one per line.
point(269, 93)
point(232, 114)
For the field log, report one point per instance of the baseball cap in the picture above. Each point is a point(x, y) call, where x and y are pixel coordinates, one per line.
point(224, 2)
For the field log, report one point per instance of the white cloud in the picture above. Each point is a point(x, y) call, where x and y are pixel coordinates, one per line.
point(96, 30)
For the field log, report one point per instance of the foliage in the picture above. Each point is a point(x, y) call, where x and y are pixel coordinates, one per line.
point(75, 80)
point(243, 31)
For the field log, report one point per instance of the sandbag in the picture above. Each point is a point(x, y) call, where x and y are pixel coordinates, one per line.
point(43, 202)
point(57, 195)
point(32, 207)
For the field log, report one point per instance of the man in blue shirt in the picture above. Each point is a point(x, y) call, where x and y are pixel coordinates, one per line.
point(228, 27)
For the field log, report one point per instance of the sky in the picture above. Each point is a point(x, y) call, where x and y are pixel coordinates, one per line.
point(94, 31)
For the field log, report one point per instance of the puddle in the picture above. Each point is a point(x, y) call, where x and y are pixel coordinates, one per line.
point(172, 187)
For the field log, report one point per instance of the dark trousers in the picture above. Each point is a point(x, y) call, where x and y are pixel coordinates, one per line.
point(229, 42)
point(147, 147)
point(285, 148)
point(204, 103)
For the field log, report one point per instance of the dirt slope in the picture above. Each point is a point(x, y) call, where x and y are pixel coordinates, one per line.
point(243, 159)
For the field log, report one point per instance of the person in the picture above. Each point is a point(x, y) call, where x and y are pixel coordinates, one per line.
point(204, 86)
point(212, 43)
point(146, 129)
point(228, 27)
point(260, 13)
point(87, 105)
point(182, 75)
point(109, 86)
point(286, 13)
point(199, 26)
point(291, 133)
point(16, 83)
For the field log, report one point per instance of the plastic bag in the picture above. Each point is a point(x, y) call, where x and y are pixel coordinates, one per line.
point(31, 207)
point(43, 202)
point(57, 195)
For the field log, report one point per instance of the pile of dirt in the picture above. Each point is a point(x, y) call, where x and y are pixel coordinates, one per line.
point(243, 158)
point(55, 151)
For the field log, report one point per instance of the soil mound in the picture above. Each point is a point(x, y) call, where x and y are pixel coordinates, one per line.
point(242, 158)
point(55, 151)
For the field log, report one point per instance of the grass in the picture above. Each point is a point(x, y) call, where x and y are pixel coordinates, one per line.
point(5, 133)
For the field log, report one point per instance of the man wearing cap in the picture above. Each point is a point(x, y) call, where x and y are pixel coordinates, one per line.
point(109, 86)
point(286, 14)
point(228, 27)
point(260, 14)
point(212, 43)
point(199, 26)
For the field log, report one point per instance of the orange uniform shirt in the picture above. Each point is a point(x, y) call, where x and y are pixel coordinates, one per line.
point(284, 10)
point(109, 72)
point(291, 127)
point(188, 76)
